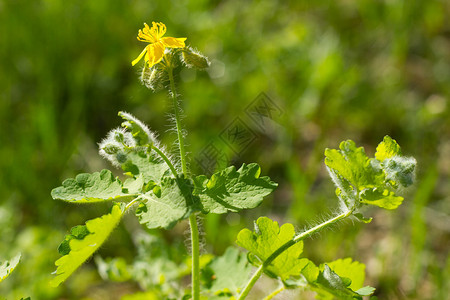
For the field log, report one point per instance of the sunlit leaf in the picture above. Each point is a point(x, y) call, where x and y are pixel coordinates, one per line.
point(147, 165)
point(172, 203)
point(388, 148)
point(233, 190)
point(362, 180)
point(381, 197)
point(265, 240)
point(96, 187)
point(353, 270)
point(83, 248)
point(341, 279)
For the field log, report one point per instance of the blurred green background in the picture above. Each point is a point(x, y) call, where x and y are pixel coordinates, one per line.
point(337, 70)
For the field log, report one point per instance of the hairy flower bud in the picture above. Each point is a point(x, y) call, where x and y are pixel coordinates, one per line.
point(111, 149)
point(119, 137)
point(153, 78)
point(121, 157)
point(194, 59)
point(401, 169)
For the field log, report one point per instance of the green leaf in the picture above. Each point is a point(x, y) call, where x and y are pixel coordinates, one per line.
point(311, 272)
point(361, 218)
point(77, 232)
point(331, 284)
point(380, 197)
point(81, 249)
point(265, 240)
point(148, 165)
point(363, 180)
point(353, 270)
point(342, 279)
point(388, 148)
point(8, 266)
point(233, 190)
point(229, 272)
point(96, 187)
point(352, 164)
point(366, 291)
point(173, 203)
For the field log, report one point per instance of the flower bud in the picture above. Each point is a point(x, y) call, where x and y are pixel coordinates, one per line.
point(194, 59)
point(154, 78)
point(111, 149)
point(121, 157)
point(119, 137)
point(400, 169)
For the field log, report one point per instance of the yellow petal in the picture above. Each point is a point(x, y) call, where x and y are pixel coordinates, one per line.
point(171, 42)
point(144, 37)
point(158, 30)
point(155, 54)
point(139, 57)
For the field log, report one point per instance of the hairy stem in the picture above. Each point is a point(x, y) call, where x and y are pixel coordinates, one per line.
point(166, 159)
point(274, 293)
point(287, 245)
point(195, 245)
point(173, 93)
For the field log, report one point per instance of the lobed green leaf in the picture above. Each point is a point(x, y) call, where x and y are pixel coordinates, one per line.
point(381, 197)
point(388, 148)
point(80, 249)
point(233, 190)
point(342, 279)
point(96, 187)
point(171, 203)
point(147, 165)
point(265, 240)
point(363, 180)
point(352, 163)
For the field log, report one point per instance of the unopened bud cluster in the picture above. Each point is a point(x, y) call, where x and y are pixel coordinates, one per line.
point(156, 77)
point(192, 58)
point(134, 136)
point(400, 169)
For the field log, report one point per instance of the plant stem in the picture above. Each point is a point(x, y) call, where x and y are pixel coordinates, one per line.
point(285, 246)
point(166, 159)
point(274, 293)
point(195, 248)
point(173, 92)
point(195, 257)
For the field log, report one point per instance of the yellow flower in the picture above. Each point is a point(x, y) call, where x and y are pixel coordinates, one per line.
point(157, 43)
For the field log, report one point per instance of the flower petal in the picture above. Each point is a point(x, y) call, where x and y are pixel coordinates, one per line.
point(158, 29)
point(171, 42)
point(139, 57)
point(155, 54)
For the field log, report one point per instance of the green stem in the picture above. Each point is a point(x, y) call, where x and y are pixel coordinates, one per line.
point(173, 92)
point(195, 257)
point(285, 246)
point(195, 248)
point(166, 159)
point(276, 292)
